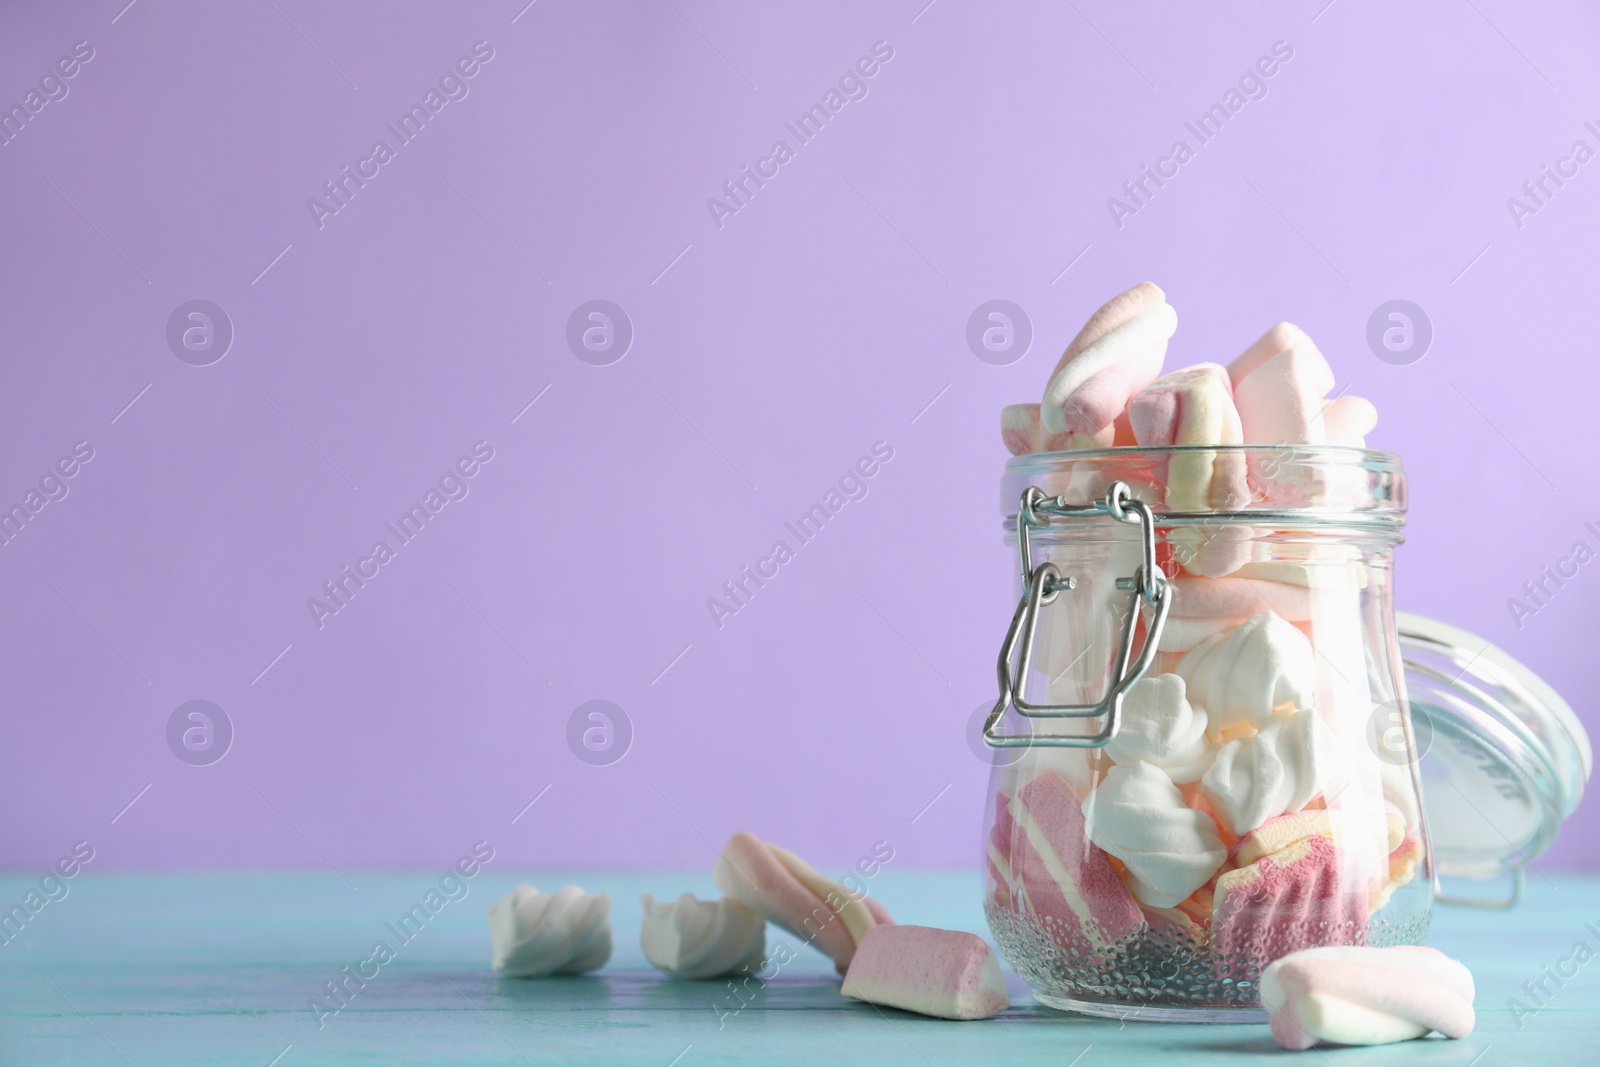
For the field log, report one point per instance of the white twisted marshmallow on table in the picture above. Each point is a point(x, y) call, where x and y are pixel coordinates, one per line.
point(1357, 995)
point(1161, 727)
point(692, 938)
point(1138, 816)
point(534, 934)
point(1240, 675)
point(1277, 771)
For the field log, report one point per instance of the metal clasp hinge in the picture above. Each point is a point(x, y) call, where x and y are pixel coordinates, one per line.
point(1041, 585)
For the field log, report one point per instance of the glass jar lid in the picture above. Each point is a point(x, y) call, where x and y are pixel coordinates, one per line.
point(1503, 760)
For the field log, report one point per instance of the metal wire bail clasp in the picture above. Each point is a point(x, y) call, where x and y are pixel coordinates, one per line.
point(1149, 591)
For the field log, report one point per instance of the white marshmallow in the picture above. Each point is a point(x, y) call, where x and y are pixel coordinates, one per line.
point(533, 934)
point(1240, 675)
point(1161, 727)
point(1275, 772)
point(1138, 816)
point(691, 938)
point(1180, 635)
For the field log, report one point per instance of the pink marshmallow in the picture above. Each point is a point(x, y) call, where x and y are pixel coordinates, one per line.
point(943, 973)
point(1358, 995)
point(784, 890)
point(1280, 402)
point(1347, 420)
point(1022, 433)
point(1239, 598)
point(1280, 338)
point(1117, 353)
point(1067, 881)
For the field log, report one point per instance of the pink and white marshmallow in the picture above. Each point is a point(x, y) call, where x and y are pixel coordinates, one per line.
point(1059, 874)
point(786, 890)
point(1193, 406)
point(1117, 353)
point(947, 974)
point(1023, 433)
point(1357, 995)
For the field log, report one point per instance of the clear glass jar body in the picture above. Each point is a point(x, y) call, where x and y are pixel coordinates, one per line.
point(1260, 793)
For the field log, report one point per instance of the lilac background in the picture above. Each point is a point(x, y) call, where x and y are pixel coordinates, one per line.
point(827, 315)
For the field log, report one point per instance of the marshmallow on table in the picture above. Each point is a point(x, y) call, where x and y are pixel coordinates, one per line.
point(1161, 727)
point(1241, 675)
point(1117, 353)
point(534, 934)
point(1169, 849)
point(1063, 878)
point(943, 973)
point(690, 938)
point(1276, 771)
point(1357, 995)
point(786, 890)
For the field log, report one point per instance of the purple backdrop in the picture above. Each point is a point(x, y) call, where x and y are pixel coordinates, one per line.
point(380, 337)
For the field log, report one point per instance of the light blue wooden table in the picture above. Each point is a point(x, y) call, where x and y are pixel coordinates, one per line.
point(219, 969)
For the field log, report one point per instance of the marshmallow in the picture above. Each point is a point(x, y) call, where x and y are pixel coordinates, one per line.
point(1403, 860)
point(533, 934)
point(1022, 433)
point(997, 851)
point(1357, 995)
point(1194, 406)
point(1275, 772)
point(1281, 338)
point(1241, 675)
point(1238, 598)
point(1117, 353)
point(1180, 635)
point(1329, 566)
point(1161, 727)
point(1280, 402)
point(1214, 551)
point(1347, 420)
point(1298, 895)
point(785, 890)
point(690, 938)
point(943, 973)
point(1064, 879)
point(1169, 849)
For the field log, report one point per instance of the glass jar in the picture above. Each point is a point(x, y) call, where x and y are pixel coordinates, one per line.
point(1207, 755)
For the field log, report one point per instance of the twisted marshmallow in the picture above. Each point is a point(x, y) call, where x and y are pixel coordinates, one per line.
point(786, 890)
point(1161, 727)
point(1138, 816)
point(534, 934)
point(1275, 772)
point(690, 938)
point(1356, 995)
point(1117, 353)
point(1239, 676)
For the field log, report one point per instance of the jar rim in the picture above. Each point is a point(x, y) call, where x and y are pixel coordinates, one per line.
point(1311, 485)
